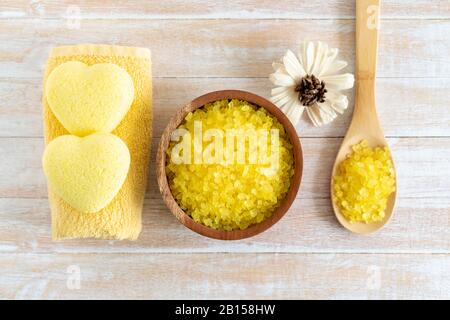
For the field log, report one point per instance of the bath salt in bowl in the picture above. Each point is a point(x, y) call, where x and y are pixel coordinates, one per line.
point(229, 165)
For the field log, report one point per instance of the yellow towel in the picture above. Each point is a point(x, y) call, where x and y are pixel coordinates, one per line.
point(121, 219)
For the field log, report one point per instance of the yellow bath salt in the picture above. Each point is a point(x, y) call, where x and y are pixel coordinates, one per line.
point(230, 192)
point(363, 183)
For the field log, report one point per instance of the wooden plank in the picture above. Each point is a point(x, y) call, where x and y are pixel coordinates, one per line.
point(407, 107)
point(204, 9)
point(418, 226)
point(227, 48)
point(314, 257)
point(224, 276)
point(421, 163)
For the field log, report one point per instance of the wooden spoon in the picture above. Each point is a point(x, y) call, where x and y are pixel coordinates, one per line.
point(365, 123)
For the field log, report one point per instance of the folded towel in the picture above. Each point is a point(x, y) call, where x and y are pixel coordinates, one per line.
point(121, 219)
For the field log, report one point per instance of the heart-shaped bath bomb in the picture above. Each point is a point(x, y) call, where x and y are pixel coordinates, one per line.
point(86, 172)
point(88, 99)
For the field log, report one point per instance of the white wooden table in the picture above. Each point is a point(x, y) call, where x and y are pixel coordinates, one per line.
point(200, 46)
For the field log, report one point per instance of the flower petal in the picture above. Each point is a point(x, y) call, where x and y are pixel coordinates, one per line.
point(334, 67)
point(293, 66)
point(287, 106)
point(277, 97)
point(339, 81)
point(300, 54)
point(280, 79)
point(306, 55)
point(295, 113)
point(314, 115)
point(282, 94)
point(338, 102)
point(278, 90)
point(327, 113)
point(327, 117)
point(320, 58)
point(281, 70)
point(277, 65)
point(283, 99)
point(293, 110)
point(329, 60)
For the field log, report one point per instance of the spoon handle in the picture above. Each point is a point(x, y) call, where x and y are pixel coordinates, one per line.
point(367, 23)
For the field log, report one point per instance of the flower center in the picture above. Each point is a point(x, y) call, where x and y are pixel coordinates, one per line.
point(310, 90)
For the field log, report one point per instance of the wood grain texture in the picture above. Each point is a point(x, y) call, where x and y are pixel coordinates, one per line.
point(201, 46)
point(231, 48)
point(422, 167)
point(263, 276)
point(419, 226)
point(207, 9)
point(410, 107)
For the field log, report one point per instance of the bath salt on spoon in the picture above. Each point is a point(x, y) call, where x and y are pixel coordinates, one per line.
point(365, 124)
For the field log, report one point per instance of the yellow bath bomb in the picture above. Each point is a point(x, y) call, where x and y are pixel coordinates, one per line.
point(88, 99)
point(86, 172)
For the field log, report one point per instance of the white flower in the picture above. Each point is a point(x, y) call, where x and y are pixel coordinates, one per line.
point(311, 81)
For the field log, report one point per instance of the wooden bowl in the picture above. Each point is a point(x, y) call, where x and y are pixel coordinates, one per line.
point(161, 165)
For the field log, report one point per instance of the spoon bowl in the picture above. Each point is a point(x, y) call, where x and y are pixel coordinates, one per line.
point(365, 124)
point(346, 148)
